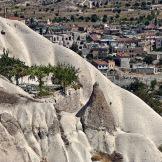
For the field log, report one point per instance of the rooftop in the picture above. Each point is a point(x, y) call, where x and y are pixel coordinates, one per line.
point(100, 62)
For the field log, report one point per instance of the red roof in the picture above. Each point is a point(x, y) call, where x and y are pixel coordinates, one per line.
point(100, 62)
point(151, 26)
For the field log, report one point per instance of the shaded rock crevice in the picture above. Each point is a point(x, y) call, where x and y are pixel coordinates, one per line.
point(63, 136)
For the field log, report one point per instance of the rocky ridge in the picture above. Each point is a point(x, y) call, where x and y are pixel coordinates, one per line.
point(108, 123)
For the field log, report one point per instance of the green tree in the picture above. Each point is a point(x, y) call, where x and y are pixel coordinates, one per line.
point(146, 22)
point(117, 16)
point(11, 67)
point(74, 47)
point(104, 19)
point(94, 18)
point(66, 75)
point(19, 71)
point(81, 18)
point(127, 5)
point(87, 19)
point(39, 72)
point(153, 84)
point(143, 91)
point(72, 18)
point(136, 5)
point(148, 60)
point(150, 17)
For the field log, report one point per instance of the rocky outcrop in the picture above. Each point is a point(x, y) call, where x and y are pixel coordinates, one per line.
point(37, 132)
point(96, 114)
point(98, 121)
point(112, 118)
point(10, 123)
point(69, 103)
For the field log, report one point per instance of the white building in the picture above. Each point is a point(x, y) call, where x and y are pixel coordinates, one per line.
point(125, 62)
point(68, 39)
point(144, 69)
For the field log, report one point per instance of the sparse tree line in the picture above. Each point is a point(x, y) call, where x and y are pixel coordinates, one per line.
point(65, 75)
point(148, 94)
point(93, 18)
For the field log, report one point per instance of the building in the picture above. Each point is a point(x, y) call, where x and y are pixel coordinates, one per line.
point(99, 53)
point(156, 7)
point(146, 70)
point(124, 62)
point(158, 42)
point(143, 68)
point(100, 65)
point(111, 65)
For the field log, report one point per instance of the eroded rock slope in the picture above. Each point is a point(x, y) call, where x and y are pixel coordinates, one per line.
point(115, 124)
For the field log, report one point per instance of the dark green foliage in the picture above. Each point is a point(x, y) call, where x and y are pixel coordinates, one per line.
point(94, 18)
point(88, 39)
point(127, 5)
point(74, 47)
point(87, 19)
point(148, 60)
point(153, 84)
point(12, 67)
point(117, 16)
point(104, 18)
point(146, 94)
point(65, 74)
point(136, 86)
point(150, 99)
point(146, 22)
point(39, 72)
point(158, 49)
point(159, 92)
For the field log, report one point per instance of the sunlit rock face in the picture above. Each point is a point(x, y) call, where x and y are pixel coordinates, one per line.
point(105, 122)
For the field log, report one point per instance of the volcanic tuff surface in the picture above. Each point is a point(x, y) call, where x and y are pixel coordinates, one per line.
point(109, 123)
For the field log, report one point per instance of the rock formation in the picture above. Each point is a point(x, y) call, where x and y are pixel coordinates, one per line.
point(109, 123)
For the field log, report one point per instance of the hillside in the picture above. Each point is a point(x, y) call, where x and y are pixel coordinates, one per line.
point(125, 128)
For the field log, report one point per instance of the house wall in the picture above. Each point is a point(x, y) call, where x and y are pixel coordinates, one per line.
point(158, 43)
point(111, 65)
point(124, 63)
point(102, 67)
point(149, 70)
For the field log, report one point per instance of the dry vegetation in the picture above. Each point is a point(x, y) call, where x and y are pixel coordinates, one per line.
point(50, 12)
point(103, 157)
